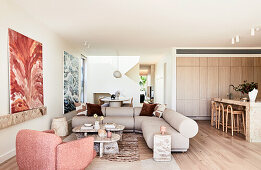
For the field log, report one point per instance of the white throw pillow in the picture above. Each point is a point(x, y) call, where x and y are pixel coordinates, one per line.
point(81, 109)
point(159, 109)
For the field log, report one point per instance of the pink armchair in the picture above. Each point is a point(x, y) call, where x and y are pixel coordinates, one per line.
point(46, 151)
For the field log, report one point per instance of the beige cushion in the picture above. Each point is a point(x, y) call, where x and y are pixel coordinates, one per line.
point(186, 126)
point(137, 111)
point(138, 120)
point(128, 122)
point(119, 111)
point(80, 120)
point(178, 141)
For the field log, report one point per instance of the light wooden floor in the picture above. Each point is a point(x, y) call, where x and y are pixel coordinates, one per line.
point(210, 149)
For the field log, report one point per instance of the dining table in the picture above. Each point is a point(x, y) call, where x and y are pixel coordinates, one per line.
point(117, 102)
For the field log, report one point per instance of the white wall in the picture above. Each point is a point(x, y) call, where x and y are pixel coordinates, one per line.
point(53, 47)
point(100, 76)
point(159, 80)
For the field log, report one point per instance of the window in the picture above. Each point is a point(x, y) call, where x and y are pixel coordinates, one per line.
point(83, 71)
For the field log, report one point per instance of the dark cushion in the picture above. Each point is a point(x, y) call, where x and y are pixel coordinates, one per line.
point(94, 109)
point(147, 109)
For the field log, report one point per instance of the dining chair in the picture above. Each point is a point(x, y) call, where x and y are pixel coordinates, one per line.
point(129, 104)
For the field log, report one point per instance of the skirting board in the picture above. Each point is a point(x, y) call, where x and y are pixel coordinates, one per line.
point(7, 156)
point(200, 117)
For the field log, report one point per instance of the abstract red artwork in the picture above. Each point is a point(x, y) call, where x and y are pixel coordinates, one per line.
point(26, 72)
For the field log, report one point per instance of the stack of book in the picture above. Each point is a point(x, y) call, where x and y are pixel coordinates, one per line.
point(110, 126)
point(87, 127)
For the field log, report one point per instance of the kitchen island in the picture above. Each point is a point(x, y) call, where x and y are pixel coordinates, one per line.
point(253, 117)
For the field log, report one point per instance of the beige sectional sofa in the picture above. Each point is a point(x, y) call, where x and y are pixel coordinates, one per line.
point(180, 127)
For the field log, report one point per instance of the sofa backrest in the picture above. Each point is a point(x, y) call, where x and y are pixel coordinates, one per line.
point(119, 111)
point(137, 111)
point(186, 126)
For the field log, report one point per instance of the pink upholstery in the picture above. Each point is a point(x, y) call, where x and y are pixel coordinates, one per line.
point(46, 151)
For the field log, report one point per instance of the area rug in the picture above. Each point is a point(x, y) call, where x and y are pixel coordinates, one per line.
point(129, 157)
point(147, 164)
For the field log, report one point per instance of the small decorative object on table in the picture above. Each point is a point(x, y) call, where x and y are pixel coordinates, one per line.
point(60, 126)
point(97, 122)
point(117, 94)
point(162, 130)
point(162, 147)
point(102, 133)
point(113, 96)
point(109, 134)
point(248, 88)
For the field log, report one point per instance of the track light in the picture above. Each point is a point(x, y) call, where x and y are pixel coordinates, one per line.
point(237, 39)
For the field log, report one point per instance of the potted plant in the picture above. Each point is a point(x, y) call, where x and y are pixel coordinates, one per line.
point(248, 88)
point(97, 122)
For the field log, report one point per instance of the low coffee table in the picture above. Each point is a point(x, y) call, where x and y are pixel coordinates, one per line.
point(117, 130)
point(113, 140)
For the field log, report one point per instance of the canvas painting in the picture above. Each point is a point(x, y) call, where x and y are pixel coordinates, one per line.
point(26, 72)
point(71, 81)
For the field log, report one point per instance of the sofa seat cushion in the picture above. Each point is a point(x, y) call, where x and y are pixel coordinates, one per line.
point(138, 120)
point(80, 120)
point(149, 128)
point(128, 122)
point(119, 111)
point(137, 111)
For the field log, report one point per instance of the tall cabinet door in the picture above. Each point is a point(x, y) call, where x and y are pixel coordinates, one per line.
point(188, 90)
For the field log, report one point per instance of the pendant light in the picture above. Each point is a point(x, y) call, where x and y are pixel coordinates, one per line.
point(117, 73)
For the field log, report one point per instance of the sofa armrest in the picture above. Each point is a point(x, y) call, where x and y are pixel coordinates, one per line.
point(186, 126)
point(75, 154)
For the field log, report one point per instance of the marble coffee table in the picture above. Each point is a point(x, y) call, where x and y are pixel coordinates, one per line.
point(108, 141)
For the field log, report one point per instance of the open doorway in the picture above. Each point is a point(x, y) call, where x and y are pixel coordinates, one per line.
point(147, 83)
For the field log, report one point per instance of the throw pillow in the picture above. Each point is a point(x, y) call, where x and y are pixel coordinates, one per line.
point(159, 109)
point(94, 109)
point(81, 109)
point(147, 109)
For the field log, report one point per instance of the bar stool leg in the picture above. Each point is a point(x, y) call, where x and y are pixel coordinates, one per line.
point(226, 120)
point(223, 121)
point(244, 126)
point(216, 117)
point(232, 123)
point(212, 114)
point(238, 125)
point(219, 116)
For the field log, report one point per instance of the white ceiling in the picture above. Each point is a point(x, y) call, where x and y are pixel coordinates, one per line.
point(150, 23)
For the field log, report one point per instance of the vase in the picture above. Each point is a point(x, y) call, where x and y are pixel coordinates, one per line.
point(97, 125)
point(163, 130)
point(252, 95)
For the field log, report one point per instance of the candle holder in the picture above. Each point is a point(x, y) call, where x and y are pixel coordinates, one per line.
point(109, 134)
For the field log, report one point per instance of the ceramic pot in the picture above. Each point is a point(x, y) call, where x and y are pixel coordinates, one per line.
point(252, 95)
point(97, 125)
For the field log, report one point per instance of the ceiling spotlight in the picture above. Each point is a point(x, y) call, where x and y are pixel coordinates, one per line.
point(252, 31)
point(233, 41)
point(237, 38)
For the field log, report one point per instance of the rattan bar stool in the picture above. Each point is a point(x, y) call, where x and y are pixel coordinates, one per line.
point(234, 119)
